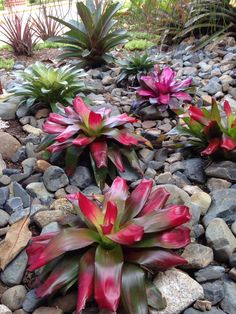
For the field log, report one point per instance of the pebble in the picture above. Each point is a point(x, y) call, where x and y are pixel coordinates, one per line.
point(146, 155)
point(225, 170)
point(4, 309)
point(202, 200)
point(9, 145)
point(221, 239)
point(45, 217)
point(209, 273)
point(4, 194)
point(47, 310)
point(32, 130)
point(31, 301)
point(38, 189)
point(55, 178)
point(217, 184)
point(14, 297)
point(214, 291)
point(228, 304)
point(42, 166)
point(19, 191)
point(13, 204)
point(194, 170)
point(213, 310)
point(81, 178)
point(197, 255)
point(4, 218)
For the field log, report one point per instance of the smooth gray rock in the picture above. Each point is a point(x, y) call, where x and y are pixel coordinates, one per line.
point(14, 297)
point(224, 170)
point(213, 310)
point(197, 255)
point(38, 189)
point(214, 291)
point(13, 204)
point(8, 108)
point(31, 301)
point(4, 218)
point(222, 200)
point(82, 177)
point(54, 178)
point(20, 192)
point(51, 227)
point(17, 215)
point(212, 87)
point(209, 273)
point(14, 272)
point(4, 309)
point(218, 184)
point(194, 170)
point(4, 194)
point(228, 304)
point(221, 239)
point(146, 155)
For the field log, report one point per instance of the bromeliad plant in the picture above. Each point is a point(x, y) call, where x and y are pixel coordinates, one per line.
point(79, 131)
point(92, 38)
point(161, 88)
point(209, 130)
point(46, 85)
point(134, 66)
point(114, 249)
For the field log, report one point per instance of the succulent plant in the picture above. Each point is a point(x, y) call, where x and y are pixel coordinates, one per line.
point(92, 38)
point(104, 138)
point(209, 130)
point(46, 85)
point(114, 248)
point(161, 88)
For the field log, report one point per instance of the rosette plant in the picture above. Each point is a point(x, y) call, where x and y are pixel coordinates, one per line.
point(108, 143)
point(114, 248)
point(209, 130)
point(161, 88)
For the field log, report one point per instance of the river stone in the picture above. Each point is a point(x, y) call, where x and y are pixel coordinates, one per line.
point(179, 289)
point(82, 177)
point(214, 291)
point(14, 297)
point(228, 304)
point(47, 310)
point(202, 200)
point(4, 309)
point(20, 192)
point(31, 301)
point(55, 178)
point(222, 200)
point(9, 145)
point(4, 218)
point(224, 170)
point(218, 184)
point(37, 189)
point(194, 170)
point(45, 217)
point(221, 239)
point(213, 310)
point(3, 165)
point(14, 272)
point(209, 273)
point(197, 255)
point(4, 194)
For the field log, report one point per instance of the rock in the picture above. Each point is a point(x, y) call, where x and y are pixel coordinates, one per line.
point(3, 165)
point(179, 289)
point(64, 205)
point(202, 305)
point(5, 180)
point(209, 273)
point(146, 155)
point(165, 178)
point(42, 113)
point(17, 215)
point(228, 215)
point(214, 291)
point(194, 170)
point(217, 184)
point(13, 204)
point(152, 113)
point(228, 304)
point(150, 173)
point(14, 297)
point(108, 80)
point(148, 124)
point(20, 192)
point(51, 227)
point(32, 130)
point(197, 255)
point(232, 260)
point(232, 274)
point(14, 272)
point(37, 189)
point(9, 145)
point(213, 310)
point(19, 155)
point(192, 71)
point(42, 165)
point(221, 239)
point(202, 200)
point(212, 87)
point(82, 177)
point(19, 312)
point(67, 303)
point(31, 301)
point(233, 228)
point(48, 310)
point(8, 108)
point(4, 194)
point(222, 200)
point(4, 309)
point(224, 170)
point(4, 218)
point(55, 178)
point(45, 217)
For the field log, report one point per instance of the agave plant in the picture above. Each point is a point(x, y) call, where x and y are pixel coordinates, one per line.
point(209, 130)
point(46, 85)
point(77, 130)
point(18, 34)
point(114, 249)
point(160, 88)
point(92, 38)
point(134, 66)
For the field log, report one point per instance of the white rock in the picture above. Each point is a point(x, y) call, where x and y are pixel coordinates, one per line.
point(4, 309)
point(202, 200)
point(32, 130)
point(179, 289)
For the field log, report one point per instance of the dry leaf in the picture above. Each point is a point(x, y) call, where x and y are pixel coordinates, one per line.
point(15, 241)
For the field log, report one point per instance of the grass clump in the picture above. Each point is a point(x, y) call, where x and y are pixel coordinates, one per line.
point(6, 64)
point(138, 44)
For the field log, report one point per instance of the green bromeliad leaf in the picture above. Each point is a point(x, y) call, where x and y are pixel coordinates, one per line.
point(154, 296)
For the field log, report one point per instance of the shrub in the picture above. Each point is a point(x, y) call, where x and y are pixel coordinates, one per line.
point(133, 66)
point(139, 44)
point(6, 64)
point(78, 128)
point(91, 39)
point(46, 85)
point(160, 88)
point(114, 249)
point(18, 33)
point(208, 130)
point(44, 26)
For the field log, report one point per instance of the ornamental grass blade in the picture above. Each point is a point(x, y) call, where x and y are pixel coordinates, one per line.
point(86, 279)
point(15, 241)
point(154, 296)
point(108, 272)
point(134, 298)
